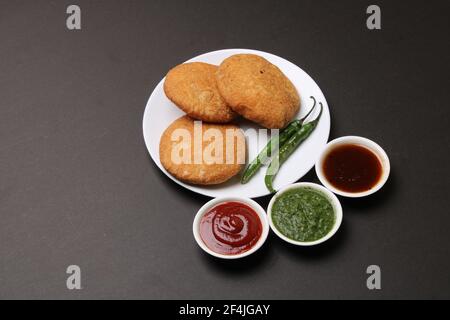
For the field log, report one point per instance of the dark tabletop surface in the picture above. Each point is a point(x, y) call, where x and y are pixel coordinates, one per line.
point(77, 186)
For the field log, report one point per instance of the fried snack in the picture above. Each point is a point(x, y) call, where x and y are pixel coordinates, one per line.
point(258, 90)
point(201, 153)
point(193, 88)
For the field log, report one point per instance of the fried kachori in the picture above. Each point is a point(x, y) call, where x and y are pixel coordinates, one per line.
point(202, 153)
point(193, 88)
point(258, 90)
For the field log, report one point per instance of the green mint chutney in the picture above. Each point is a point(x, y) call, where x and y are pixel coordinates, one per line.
point(303, 214)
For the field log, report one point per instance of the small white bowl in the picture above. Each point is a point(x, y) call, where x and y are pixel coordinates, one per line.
point(211, 204)
point(334, 202)
point(364, 142)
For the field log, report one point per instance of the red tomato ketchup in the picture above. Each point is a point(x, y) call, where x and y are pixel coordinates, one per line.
point(230, 228)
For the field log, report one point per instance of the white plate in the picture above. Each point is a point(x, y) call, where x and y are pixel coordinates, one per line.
point(160, 113)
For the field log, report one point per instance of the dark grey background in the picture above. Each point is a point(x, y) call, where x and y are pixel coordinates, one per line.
point(77, 185)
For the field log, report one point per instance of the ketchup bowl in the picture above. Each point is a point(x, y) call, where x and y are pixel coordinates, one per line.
point(231, 227)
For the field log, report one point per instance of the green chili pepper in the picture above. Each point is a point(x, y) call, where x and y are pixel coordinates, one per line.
point(275, 142)
point(288, 148)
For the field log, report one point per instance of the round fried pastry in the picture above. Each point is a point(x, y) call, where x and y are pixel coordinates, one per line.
point(258, 90)
point(193, 88)
point(191, 157)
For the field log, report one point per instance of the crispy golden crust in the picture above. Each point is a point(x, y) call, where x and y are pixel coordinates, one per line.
point(193, 88)
point(175, 147)
point(258, 90)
